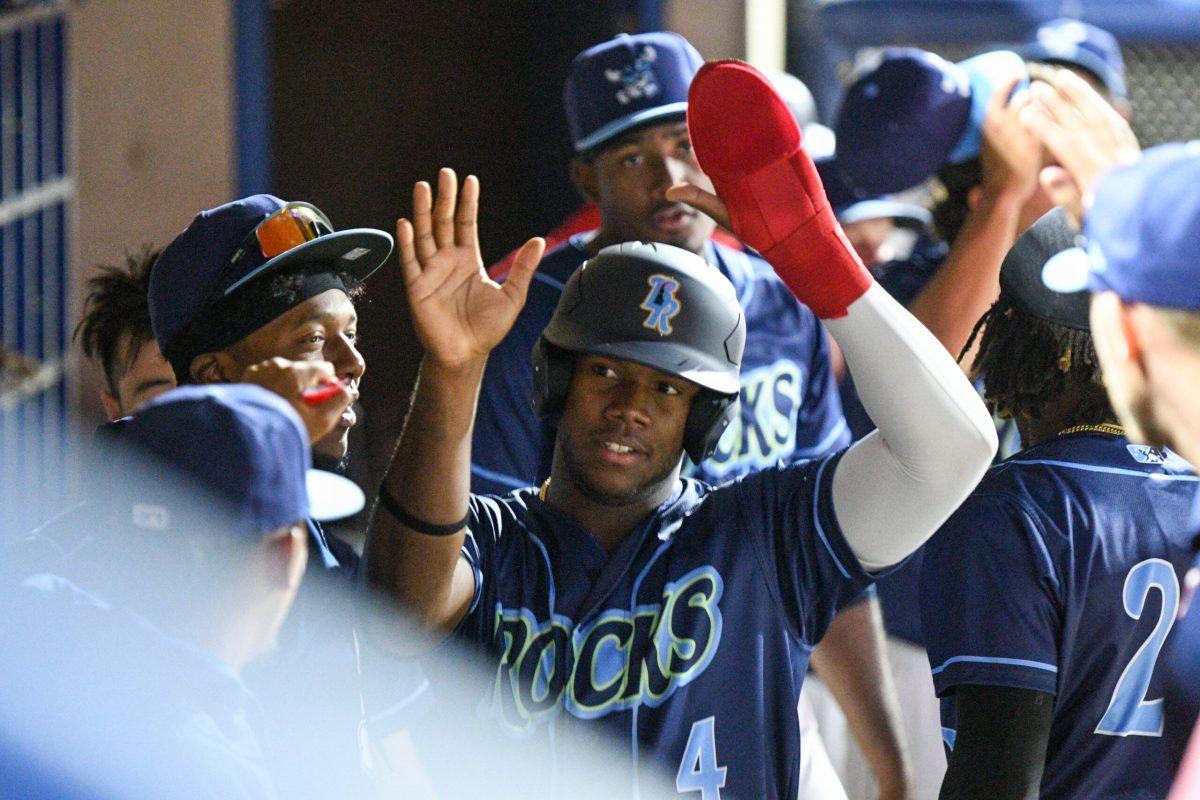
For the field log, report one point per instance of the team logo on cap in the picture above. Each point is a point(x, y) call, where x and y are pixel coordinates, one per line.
point(662, 303)
point(636, 79)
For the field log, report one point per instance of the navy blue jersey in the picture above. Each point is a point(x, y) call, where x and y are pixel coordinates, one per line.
point(1060, 574)
point(1181, 663)
point(790, 405)
point(690, 641)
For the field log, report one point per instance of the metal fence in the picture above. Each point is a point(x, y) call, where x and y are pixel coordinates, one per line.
point(37, 193)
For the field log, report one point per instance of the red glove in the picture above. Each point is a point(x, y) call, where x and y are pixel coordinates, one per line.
point(748, 143)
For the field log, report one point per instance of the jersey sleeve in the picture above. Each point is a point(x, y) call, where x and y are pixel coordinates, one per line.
point(990, 605)
point(788, 518)
point(507, 445)
point(487, 519)
point(820, 425)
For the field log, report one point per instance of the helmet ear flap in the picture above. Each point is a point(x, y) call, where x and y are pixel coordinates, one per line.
point(710, 415)
point(552, 370)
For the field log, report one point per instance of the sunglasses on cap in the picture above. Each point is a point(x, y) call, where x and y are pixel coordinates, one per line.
point(288, 228)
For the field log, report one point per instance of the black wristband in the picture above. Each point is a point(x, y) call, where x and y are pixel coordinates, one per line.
point(419, 525)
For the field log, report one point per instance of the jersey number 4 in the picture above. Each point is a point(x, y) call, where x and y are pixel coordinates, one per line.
point(698, 770)
point(1129, 713)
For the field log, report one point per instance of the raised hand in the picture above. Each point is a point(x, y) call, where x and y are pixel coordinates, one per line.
point(703, 201)
point(1011, 155)
point(459, 313)
point(292, 379)
point(1083, 132)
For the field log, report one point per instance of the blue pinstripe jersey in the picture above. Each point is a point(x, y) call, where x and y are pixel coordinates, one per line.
point(1061, 574)
point(790, 404)
point(690, 641)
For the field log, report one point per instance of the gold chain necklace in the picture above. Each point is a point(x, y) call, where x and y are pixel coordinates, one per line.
point(1112, 430)
point(542, 491)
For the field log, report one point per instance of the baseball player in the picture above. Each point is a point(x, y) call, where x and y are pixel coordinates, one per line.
point(1047, 595)
point(246, 288)
point(115, 330)
point(674, 613)
point(631, 145)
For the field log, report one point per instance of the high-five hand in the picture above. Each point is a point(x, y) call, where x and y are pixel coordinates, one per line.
point(459, 313)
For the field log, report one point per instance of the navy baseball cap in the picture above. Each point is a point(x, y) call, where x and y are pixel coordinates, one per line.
point(240, 456)
point(1074, 43)
point(198, 267)
point(906, 114)
point(625, 82)
point(1038, 272)
point(1143, 228)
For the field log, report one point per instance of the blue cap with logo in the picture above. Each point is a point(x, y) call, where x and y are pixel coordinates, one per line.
point(625, 82)
point(909, 112)
point(1143, 228)
point(1078, 44)
point(240, 457)
point(202, 264)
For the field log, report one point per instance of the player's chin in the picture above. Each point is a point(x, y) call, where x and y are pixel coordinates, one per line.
point(334, 445)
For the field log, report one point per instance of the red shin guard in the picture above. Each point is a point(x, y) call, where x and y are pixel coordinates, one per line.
point(748, 143)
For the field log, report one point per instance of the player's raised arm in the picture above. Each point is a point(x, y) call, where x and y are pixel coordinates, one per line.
point(894, 488)
point(415, 542)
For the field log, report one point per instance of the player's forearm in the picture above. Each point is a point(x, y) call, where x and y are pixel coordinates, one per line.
point(430, 479)
point(895, 487)
point(969, 281)
point(852, 661)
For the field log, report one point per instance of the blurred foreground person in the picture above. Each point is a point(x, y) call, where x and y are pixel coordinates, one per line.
point(121, 669)
point(115, 330)
point(1046, 596)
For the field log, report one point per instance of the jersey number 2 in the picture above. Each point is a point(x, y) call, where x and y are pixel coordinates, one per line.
point(1129, 713)
point(698, 770)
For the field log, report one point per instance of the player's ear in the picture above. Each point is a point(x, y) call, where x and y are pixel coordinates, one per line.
point(112, 406)
point(583, 175)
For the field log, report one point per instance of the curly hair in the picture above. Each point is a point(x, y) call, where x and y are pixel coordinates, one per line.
point(117, 306)
point(1028, 362)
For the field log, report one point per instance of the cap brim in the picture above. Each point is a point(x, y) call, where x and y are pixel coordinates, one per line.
point(986, 72)
point(884, 208)
point(619, 126)
point(357, 251)
point(1075, 56)
point(332, 496)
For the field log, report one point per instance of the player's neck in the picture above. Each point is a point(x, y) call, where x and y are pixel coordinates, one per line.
point(610, 524)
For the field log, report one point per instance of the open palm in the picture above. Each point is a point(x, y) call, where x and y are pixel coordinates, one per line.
point(459, 312)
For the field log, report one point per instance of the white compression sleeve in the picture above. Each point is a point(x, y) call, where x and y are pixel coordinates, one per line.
point(894, 488)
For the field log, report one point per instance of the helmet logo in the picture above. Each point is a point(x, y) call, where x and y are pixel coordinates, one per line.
point(662, 303)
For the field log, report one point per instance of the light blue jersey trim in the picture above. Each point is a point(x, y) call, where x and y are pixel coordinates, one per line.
point(498, 477)
point(1007, 662)
point(817, 522)
point(1130, 473)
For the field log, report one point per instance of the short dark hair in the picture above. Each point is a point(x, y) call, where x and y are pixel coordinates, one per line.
point(117, 306)
point(951, 209)
point(1027, 362)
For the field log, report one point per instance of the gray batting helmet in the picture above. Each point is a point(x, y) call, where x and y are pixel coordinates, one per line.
point(657, 305)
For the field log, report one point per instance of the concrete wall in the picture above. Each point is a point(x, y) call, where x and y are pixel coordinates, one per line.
point(153, 87)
